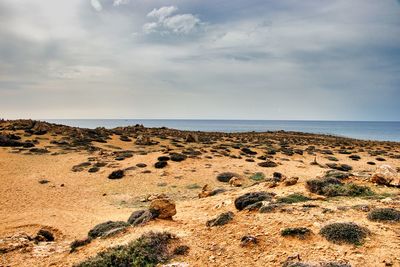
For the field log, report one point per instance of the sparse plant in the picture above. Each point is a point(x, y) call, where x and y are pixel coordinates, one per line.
point(258, 176)
point(300, 232)
point(385, 215)
point(340, 233)
point(148, 250)
point(293, 198)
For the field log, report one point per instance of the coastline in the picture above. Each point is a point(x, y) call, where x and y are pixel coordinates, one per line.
point(74, 199)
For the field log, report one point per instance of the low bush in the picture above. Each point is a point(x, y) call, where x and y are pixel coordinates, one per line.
point(300, 232)
point(340, 233)
point(384, 214)
point(258, 176)
point(293, 198)
point(147, 251)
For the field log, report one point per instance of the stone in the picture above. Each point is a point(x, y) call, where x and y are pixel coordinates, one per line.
point(250, 198)
point(267, 164)
point(386, 175)
point(160, 164)
point(192, 138)
point(164, 207)
point(235, 181)
point(291, 181)
point(140, 217)
point(222, 219)
point(116, 175)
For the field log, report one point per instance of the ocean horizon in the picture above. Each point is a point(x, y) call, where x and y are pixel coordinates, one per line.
point(365, 130)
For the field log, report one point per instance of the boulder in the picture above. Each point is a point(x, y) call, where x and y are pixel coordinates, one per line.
point(267, 164)
point(116, 175)
point(164, 207)
point(192, 138)
point(386, 175)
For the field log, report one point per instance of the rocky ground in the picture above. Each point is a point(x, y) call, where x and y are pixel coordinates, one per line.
point(244, 199)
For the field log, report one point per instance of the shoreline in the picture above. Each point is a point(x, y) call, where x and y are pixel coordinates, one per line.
point(57, 178)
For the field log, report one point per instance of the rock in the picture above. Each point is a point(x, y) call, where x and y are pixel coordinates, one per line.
point(340, 167)
point(107, 228)
point(125, 138)
point(291, 181)
point(7, 142)
point(267, 164)
point(386, 175)
point(143, 141)
point(160, 164)
point(164, 207)
point(141, 165)
point(44, 235)
point(248, 240)
point(140, 217)
point(94, 169)
point(248, 151)
point(208, 192)
point(225, 177)
point(250, 198)
point(235, 181)
point(163, 158)
point(222, 219)
point(116, 175)
point(192, 138)
point(177, 157)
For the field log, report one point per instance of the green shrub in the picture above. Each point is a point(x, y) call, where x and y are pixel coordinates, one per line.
point(332, 187)
point(349, 233)
point(258, 176)
point(293, 198)
point(300, 232)
point(147, 251)
point(385, 214)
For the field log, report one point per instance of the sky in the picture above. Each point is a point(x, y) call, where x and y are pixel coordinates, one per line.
point(200, 59)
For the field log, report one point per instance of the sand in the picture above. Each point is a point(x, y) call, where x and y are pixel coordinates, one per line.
point(71, 203)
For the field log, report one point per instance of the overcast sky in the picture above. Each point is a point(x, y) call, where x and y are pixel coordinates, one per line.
point(200, 59)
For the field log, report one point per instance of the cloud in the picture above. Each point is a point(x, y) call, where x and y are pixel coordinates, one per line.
point(168, 23)
point(120, 2)
point(96, 5)
point(162, 12)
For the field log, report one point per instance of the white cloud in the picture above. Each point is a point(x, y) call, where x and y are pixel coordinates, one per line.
point(120, 2)
point(184, 23)
point(162, 12)
point(168, 23)
point(96, 5)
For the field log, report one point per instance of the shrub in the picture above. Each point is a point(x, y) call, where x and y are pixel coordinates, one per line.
point(333, 187)
point(349, 233)
point(293, 198)
point(79, 243)
point(385, 214)
point(300, 232)
point(222, 219)
point(148, 250)
point(350, 189)
point(193, 186)
point(258, 176)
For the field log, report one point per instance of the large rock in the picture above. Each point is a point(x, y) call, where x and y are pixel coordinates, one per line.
point(386, 175)
point(250, 198)
point(164, 207)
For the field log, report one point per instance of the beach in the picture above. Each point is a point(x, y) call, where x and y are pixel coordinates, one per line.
point(57, 178)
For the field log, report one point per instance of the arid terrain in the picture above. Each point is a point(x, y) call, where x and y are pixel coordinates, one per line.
point(57, 179)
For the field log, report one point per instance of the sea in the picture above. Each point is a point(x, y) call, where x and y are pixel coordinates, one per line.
point(365, 130)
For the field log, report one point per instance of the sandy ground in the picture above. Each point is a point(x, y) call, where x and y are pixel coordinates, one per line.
point(73, 202)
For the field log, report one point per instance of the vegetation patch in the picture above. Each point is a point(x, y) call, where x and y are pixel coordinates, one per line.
point(147, 251)
point(300, 232)
point(384, 215)
point(193, 186)
point(349, 233)
point(293, 198)
point(226, 176)
point(332, 187)
point(258, 176)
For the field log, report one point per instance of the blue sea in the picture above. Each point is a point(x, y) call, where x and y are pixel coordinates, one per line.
point(367, 130)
